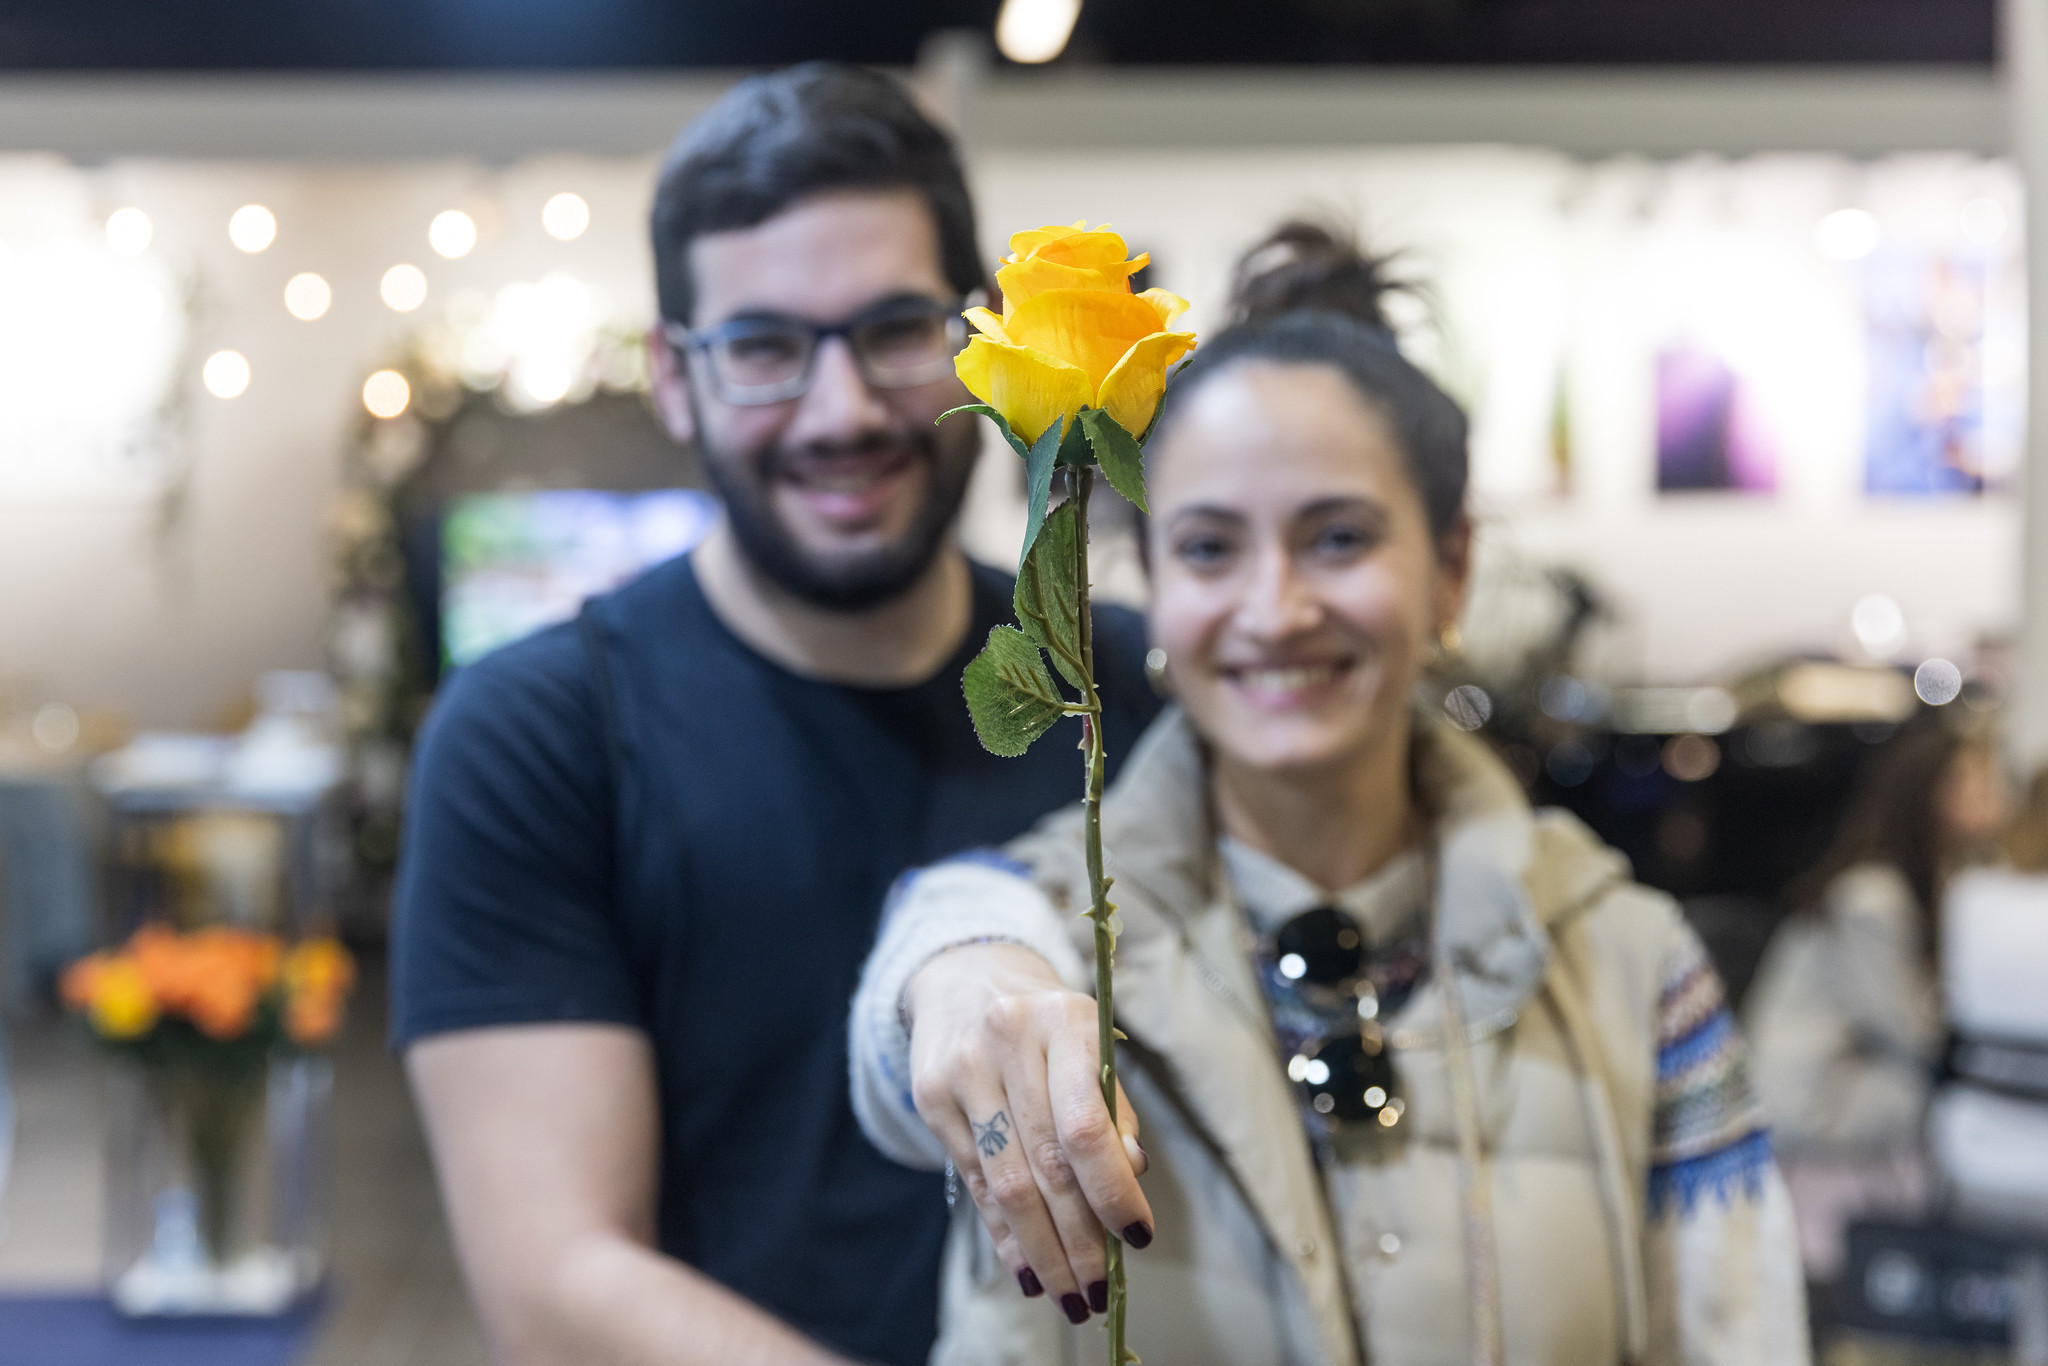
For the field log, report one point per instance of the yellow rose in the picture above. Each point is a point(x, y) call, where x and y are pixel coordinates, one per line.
point(1072, 335)
point(122, 1006)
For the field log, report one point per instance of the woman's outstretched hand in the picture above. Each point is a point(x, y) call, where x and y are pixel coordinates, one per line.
point(1004, 1069)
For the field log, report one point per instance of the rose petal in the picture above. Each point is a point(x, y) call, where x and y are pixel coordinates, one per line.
point(1133, 389)
point(988, 324)
point(1020, 280)
point(1030, 389)
point(1095, 250)
point(1167, 304)
point(1090, 328)
point(1022, 244)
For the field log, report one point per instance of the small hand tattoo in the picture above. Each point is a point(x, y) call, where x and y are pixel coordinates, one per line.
point(993, 1136)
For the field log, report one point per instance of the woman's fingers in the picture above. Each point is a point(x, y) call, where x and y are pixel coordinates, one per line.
point(1038, 1135)
point(949, 1123)
point(1012, 1196)
point(1005, 1073)
point(1102, 1167)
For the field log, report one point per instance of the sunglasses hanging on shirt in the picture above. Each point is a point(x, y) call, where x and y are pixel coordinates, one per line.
point(1350, 1077)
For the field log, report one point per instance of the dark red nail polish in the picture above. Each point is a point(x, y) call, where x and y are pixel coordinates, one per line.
point(1075, 1307)
point(1098, 1296)
point(1027, 1280)
point(1139, 1235)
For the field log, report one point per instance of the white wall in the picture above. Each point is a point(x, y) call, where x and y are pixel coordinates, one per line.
point(168, 609)
point(166, 603)
point(1538, 261)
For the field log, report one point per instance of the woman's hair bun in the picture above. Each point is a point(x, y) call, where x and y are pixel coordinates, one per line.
point(1307, 265)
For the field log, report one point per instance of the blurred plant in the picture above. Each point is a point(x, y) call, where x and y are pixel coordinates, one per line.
point(1072, 373)
point(203, 1013)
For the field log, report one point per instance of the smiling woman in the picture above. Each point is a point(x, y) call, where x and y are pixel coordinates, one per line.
point(1387, 1024)
point(1296, 586)
point(1309, 544)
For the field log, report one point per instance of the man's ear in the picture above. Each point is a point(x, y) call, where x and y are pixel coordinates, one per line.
point(671, 388)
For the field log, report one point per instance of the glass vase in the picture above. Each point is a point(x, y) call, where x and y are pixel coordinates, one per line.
point(216, 1185)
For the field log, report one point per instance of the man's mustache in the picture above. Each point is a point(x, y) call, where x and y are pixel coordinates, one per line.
point(781, 461)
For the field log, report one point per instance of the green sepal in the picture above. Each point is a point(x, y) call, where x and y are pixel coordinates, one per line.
point(1118, 452)
point(1038, 463)
point(1002, 424)
point(1074, 450)
point(1011, 697)
point(1048, 601)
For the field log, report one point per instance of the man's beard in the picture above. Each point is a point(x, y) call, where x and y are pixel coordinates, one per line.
point(845, 583)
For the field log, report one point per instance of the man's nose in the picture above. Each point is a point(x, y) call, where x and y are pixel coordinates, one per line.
point(839, 404)
point(1278, 601)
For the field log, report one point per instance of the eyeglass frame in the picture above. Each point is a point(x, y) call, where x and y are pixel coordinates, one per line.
point(701, 340)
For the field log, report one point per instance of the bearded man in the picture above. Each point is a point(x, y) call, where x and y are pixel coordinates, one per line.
point(648, 850)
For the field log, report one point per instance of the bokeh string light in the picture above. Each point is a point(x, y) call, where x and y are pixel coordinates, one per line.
point(565, 216)
point(386, 394)
point(1034, 31)
point(226, 374)
point(537, 336)
point(403, 288)
point(307, 296)
point(1847, 235)
point(452, 234)
point(129, 231)
point(252, 228)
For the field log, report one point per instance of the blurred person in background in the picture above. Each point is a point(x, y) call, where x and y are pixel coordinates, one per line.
point(1845, 1010)
point(647, 849)
point(1423, 1076)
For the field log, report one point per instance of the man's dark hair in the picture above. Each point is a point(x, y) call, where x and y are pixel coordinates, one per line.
point(778, 138)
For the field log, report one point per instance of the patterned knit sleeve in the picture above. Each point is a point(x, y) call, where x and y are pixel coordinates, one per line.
point(1722, 1256)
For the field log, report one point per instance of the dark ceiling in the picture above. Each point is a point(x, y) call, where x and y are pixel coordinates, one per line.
point(581, 34)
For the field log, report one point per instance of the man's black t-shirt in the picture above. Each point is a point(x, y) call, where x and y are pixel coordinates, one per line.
point(704, 858)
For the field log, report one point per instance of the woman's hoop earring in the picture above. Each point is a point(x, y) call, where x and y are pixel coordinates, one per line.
point(1445, 647)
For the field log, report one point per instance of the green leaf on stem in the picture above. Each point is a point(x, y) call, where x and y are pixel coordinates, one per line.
point(1048, 605)
point(1011, 697)
point(1002, 424)
point(1038, 463)
point(1118, 452)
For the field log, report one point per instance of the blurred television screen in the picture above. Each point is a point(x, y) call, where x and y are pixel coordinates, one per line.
point(512, 563)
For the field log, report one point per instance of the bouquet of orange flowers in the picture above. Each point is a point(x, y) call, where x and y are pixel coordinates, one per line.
point(204, 1012)
point(211, 988)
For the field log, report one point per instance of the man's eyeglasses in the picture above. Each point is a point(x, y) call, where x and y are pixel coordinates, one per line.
point(769, 358)
point(1350, 1077)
